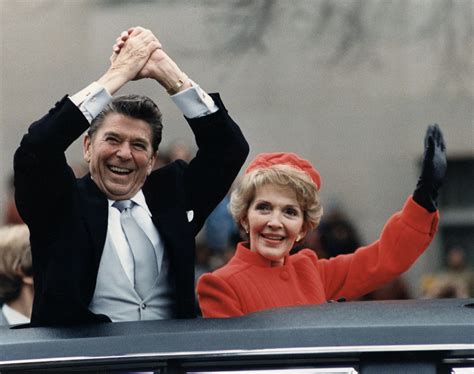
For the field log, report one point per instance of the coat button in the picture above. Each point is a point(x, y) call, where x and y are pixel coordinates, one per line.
point(284, 275)
point(143, 305)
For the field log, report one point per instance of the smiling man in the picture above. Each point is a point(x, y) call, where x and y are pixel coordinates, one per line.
point(121, 146)
point(118, 244)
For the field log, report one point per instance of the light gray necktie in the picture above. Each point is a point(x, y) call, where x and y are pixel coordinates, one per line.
point(144, 258)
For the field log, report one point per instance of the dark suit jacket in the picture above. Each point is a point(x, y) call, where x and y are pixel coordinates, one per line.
point(67, 218)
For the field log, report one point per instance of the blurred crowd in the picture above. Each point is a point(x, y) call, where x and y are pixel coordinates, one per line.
point(216, 243)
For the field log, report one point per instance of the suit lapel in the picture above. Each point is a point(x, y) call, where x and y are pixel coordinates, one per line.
point(94, 208)
point(167, 206)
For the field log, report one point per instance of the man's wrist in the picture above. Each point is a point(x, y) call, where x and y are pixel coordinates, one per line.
point(180, 85)
point(113, 80)
point(170, 76)
point(175, 82)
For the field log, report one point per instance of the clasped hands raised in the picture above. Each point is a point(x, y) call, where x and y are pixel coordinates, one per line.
point(138, 54)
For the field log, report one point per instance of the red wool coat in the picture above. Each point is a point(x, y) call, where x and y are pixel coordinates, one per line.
point(247, 283)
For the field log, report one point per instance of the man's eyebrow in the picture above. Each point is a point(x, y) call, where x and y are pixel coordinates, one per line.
point(111, 133)
point(141, 140)
point(138, 138)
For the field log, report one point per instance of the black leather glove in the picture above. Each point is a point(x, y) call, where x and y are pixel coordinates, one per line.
point(433, 169)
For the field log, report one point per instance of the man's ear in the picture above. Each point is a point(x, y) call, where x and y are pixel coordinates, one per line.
point(86, 145)
point(151, 163)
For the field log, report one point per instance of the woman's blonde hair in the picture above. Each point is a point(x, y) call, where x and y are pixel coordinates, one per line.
point(284, 176)
point(15, 260)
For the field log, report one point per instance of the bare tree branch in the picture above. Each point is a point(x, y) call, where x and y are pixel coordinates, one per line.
point(358, 28)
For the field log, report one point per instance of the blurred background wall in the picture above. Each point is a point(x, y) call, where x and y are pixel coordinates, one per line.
point(350, 85)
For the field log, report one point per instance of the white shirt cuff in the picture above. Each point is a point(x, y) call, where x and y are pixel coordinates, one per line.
point(194, 102)
point(91, 100)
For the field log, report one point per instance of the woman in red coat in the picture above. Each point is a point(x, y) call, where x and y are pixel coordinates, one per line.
point(277, 203)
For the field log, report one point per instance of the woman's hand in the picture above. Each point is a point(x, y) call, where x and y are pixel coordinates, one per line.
point(433, 169)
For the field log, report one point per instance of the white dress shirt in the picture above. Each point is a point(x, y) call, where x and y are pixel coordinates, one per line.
point(13, 317)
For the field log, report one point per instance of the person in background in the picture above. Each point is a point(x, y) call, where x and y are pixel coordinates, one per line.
point(397, 289)
point(118, 244)
point(11, 215)
point(337, 234)
point(220, 229)
point(16, 275)
point(277, 203)
point(455, 281)
point(334, 235)
point(179, 150)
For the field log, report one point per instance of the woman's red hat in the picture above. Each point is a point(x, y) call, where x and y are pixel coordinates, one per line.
point(265, 160)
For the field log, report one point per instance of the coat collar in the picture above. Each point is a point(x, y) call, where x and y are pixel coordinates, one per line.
point(243, 253)
point(95, 213)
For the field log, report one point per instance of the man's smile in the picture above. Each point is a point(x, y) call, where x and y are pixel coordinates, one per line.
point(119, 170)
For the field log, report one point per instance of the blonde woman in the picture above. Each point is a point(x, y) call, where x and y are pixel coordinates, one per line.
point(16, 275)
point(277, 203)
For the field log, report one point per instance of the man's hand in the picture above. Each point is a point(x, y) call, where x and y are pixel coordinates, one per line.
point(159, 66)
point(433, 169)
point(120, 53)
point(134, 54)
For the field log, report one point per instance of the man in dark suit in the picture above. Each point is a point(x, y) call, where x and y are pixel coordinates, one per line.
point(85, 265)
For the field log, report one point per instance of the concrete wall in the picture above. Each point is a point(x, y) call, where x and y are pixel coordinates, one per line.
point(361, 124)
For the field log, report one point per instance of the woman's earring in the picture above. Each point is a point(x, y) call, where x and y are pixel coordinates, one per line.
point(298, 238)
